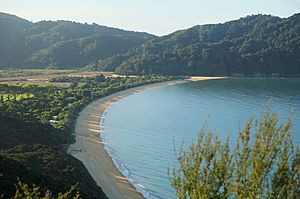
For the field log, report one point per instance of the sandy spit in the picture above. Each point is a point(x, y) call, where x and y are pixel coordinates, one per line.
point(89, 148)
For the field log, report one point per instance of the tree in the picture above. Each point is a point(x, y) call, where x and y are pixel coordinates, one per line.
point(263, 164)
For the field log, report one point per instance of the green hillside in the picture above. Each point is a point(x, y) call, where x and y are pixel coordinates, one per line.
point(37, 125)
point(31, 152)
point(60, 44)
point(254, 45)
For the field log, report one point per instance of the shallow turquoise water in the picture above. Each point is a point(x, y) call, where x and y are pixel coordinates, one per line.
point(140, 129)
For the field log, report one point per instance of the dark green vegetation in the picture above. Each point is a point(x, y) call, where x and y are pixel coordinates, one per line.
point(25, 191)
point(60, 44)
point(34, 153)
point(36, 129)
point(256, 45)
point(266, 167)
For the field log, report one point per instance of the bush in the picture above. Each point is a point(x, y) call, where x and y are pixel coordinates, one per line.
point(25, 191)
point(266, 167)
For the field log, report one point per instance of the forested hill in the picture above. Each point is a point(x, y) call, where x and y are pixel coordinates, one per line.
point(253, 45)
point(30, 151)
point(60, 44)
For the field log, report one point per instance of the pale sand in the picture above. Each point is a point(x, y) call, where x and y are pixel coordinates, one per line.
point(89, 148)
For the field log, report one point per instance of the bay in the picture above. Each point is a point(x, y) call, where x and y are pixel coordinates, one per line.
point(142, 130)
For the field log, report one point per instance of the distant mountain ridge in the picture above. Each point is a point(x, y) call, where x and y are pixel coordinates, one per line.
point(256, 45)
point(60, 44)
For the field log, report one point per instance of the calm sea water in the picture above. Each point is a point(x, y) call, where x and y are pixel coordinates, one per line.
point(141, 129)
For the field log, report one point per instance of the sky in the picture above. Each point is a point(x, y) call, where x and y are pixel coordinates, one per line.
point(159, 17)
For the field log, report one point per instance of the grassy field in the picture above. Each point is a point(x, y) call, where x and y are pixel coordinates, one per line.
point(31, 72)
point(43, 76)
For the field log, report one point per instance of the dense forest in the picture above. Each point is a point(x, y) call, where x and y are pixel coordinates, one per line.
point(32, 153)
point(36, 125)
point(60, 44)
point(255, 45)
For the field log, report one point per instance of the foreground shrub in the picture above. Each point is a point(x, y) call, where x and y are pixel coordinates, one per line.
point(263, 164)
point(23, 190)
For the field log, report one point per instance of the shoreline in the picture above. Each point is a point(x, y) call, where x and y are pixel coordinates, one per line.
point(90, 149)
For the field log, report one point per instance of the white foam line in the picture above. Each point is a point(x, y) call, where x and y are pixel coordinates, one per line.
point(118, 163)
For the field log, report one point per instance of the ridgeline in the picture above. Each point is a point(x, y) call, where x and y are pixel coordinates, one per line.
point(60, 44)
point(258, 45)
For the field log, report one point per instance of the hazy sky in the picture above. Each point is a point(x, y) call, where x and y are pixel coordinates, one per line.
point(154, 16)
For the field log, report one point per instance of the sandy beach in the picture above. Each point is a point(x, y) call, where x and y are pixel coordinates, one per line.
point(89, 148)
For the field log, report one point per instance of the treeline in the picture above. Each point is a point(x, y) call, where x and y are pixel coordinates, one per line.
point(35, 131)
point(60, 44)
point(258, 45)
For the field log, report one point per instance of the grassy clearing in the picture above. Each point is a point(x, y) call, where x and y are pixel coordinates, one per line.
point(32, 72)
point(43, 77)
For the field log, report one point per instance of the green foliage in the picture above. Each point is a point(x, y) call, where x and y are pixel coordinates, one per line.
point(16, 97)
point(35, 130)
point(59, 106)
point(45, 165)
point(24, 191)
point(263, 164)
point(15, 131)
point(60, 44)
point(258, 45)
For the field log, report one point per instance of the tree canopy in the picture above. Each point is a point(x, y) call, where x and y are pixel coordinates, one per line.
point(257, 45)
point(36, 126)
point(60, 44)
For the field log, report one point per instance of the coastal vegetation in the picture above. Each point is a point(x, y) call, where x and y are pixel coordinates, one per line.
point(263, 164)
point(33, 153)
point(37, 116)
point(37, 128)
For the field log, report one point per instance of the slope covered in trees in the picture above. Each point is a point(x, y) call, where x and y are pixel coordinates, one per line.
point(254, 45)
point(60, 44)
point(36, 125)
point(31, 152)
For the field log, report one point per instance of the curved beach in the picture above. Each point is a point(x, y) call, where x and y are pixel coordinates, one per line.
point(89, 148)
